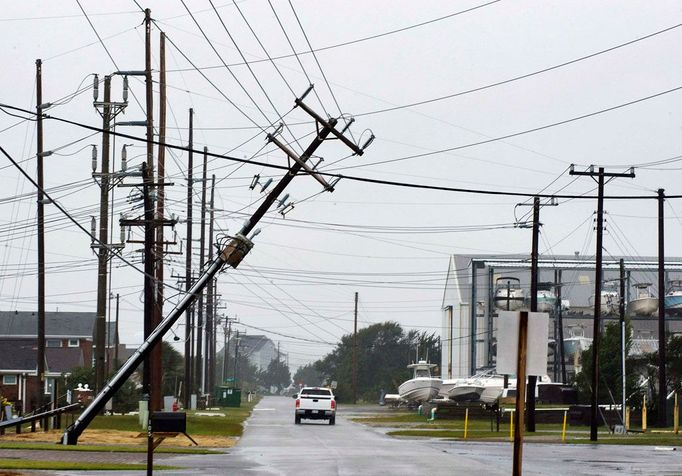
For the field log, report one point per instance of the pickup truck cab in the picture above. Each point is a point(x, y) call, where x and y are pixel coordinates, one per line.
point(315, 403)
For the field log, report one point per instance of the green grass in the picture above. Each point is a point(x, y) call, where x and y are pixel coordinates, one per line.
point(229, 425)
point(102, 448)
point(416, 426)
point(75, 466)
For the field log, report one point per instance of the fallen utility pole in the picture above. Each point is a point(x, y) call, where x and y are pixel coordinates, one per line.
point(231, 254)
point(596, 332)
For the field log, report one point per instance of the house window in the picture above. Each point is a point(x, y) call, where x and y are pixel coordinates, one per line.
point(53, 343)
point(9, 379)
point(49, 385)
point(73, 342)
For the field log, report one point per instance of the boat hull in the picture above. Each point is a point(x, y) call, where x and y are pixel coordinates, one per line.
point(643, 306)
point(673, 304)
point(419, 389)
point(465, 393)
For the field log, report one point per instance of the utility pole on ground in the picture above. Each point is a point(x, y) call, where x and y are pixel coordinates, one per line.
point(41, 234)
point(355, 351)
point(662, 380)
point(596, 333)
point(189, 334)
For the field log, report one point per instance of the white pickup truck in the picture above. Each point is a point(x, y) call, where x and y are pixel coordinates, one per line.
point(315, 403)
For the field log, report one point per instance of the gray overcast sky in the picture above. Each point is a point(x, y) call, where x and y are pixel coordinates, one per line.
point(390, 244)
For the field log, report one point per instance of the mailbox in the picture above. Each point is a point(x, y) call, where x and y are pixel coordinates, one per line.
point(169, 422)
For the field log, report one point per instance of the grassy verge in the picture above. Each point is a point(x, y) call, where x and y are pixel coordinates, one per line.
point(198, 423)
point(63, 465)
point(410, 424)
point(102, 448)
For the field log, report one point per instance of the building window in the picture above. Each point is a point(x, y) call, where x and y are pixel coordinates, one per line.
point(53, 343)
point(9, 379)
point(73, 342)
point(49, 385)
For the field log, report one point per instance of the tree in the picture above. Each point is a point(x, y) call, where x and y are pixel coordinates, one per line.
point(276, 375)
point(610, 386)
point(384, 351)
point(308, 375)
point(173, 365)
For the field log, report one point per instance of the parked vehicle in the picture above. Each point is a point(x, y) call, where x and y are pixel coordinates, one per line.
point(315, 403)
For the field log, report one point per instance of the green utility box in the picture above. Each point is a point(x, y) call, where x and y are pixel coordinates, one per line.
point(228, 396)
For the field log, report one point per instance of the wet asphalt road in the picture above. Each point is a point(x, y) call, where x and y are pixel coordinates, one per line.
point(273, 445)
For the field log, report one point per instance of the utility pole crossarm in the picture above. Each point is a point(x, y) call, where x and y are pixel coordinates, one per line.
point(592, 173)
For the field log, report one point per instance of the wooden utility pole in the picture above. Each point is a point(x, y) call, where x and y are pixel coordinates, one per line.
point(41, 234)
point(149, 239)
point(210, 296)
point(534, 256)
point(355, 351)
point(450, 319)
point(157, 370)
point(101, 247)
point(560, 311)
point(189, 334)
point(662, 380)
point(117, 338)
point(199, 372)
point(621, 314)
point(596, 332)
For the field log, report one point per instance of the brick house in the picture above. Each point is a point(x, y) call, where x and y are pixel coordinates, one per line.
point(68, 344)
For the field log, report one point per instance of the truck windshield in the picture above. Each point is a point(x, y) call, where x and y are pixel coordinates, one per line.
point(316, 391)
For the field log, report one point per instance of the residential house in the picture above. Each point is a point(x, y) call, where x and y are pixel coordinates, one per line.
point(68, 344)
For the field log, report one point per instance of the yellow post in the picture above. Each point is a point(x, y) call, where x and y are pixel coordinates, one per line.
point(466, 423)
point(563, 430)
point(627, 418)
point(676, 416)
point(644, 415)
point(511, 425)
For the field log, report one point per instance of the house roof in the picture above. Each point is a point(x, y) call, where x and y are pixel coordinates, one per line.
point(22, 355)
point(250, 344)
point(57, 324)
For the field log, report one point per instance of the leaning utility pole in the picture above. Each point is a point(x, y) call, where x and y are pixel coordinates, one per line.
point(189, 335)
point(596, 333)
point(199, 367)
point(662, 381)
point(41, 233)
point(102, 251)
point(355, 351)
point(231, 254)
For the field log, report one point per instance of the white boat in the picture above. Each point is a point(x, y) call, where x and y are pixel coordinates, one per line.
point(609, 302)
point(508, 294)
point(446, 385)
point(673, 298)
point(644, 304)
point(422, 387)
point(473, 388)
point(546, 297)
